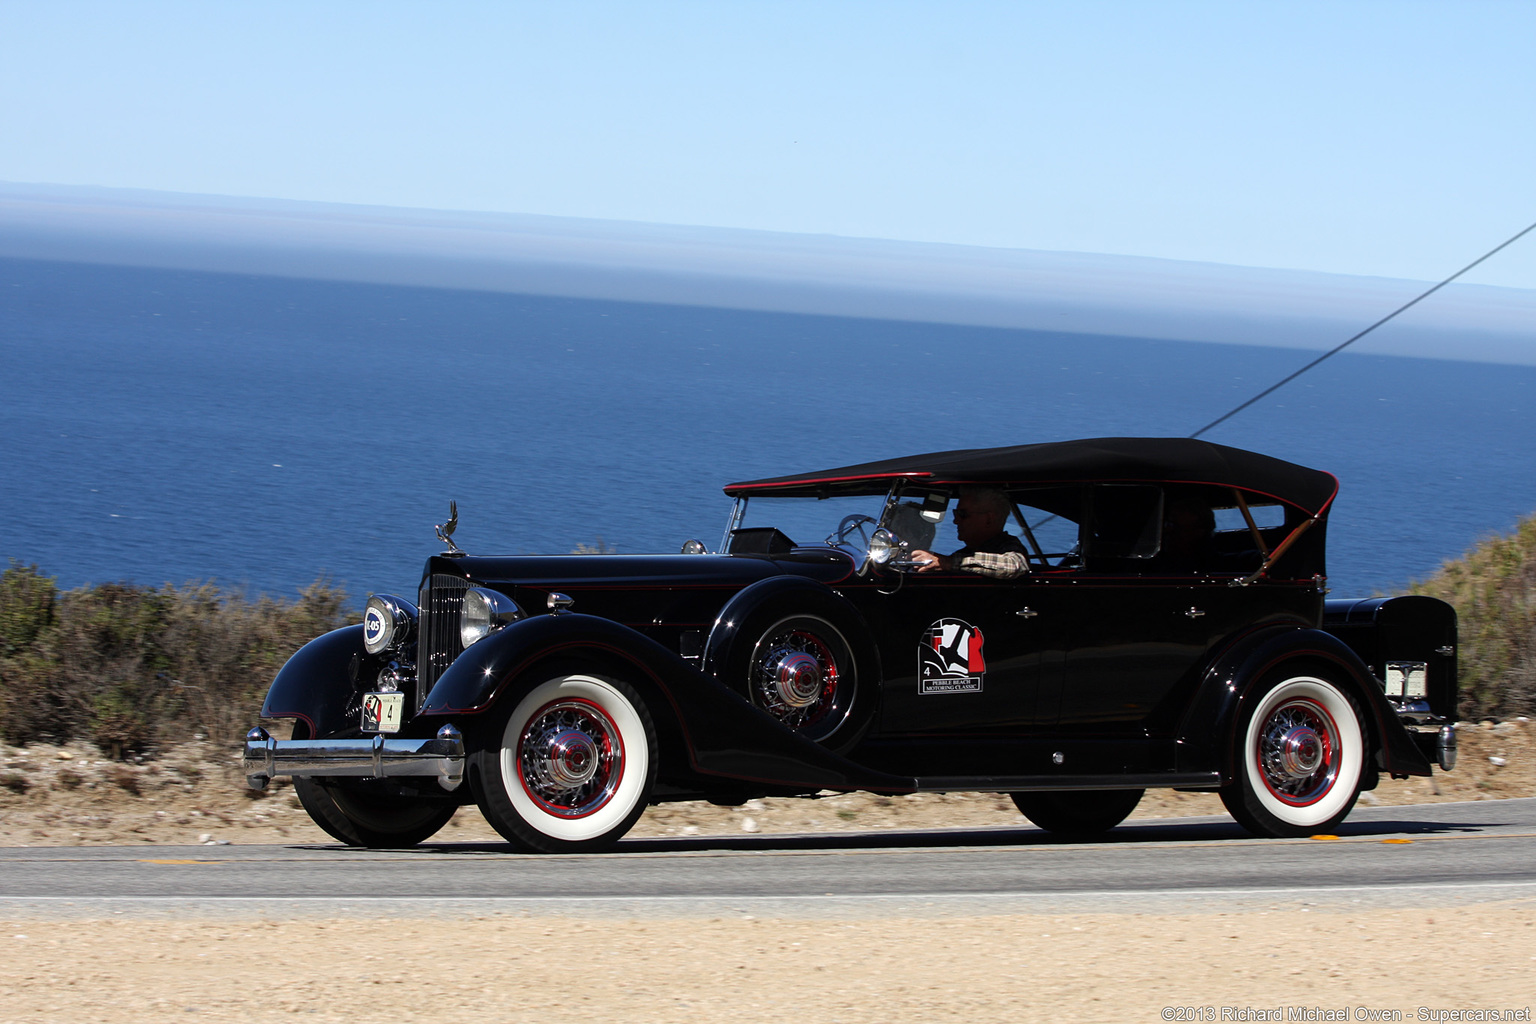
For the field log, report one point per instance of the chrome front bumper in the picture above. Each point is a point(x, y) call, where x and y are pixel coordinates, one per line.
point(441, 757)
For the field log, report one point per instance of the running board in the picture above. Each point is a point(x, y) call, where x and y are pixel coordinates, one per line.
point(1047, 783)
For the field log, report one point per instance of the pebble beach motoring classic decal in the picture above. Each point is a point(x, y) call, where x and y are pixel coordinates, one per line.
point(949, 659)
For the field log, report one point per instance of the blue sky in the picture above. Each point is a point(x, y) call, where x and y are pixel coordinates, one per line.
point(1365, 138)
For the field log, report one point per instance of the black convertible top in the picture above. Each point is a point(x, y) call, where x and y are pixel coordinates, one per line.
point(1093, 460)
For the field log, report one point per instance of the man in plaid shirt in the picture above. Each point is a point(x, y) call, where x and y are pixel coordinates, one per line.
point(980, 515)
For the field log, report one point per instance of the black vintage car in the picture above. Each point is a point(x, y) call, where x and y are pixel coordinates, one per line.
point(1165, 625)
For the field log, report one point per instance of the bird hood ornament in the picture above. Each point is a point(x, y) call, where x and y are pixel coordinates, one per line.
point(445, 531)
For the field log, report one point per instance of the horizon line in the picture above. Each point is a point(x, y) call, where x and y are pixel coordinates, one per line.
point(1063, 291)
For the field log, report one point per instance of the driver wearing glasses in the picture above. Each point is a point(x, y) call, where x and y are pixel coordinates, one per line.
point(980, 515)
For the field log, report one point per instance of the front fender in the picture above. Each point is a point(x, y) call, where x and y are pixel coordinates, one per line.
point(722, 733)
point(1209, 728)
point(810, 595)
point(316, 684)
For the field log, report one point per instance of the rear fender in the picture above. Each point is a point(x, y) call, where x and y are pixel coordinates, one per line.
point(720, 732)
point(1208, 731)
point(316, 684)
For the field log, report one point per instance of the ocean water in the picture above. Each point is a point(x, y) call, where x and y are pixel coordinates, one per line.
point(169, 426)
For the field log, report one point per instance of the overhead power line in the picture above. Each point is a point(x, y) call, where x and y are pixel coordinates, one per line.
point(1339, 348)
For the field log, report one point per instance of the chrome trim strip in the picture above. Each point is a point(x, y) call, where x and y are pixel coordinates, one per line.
point(738, 512)
point(441, 757)
point(1046, 783)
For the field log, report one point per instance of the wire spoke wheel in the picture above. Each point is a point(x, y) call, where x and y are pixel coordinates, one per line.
point(570, 758)
point(1299, 759)
point(801, 672)
point(1298, 752)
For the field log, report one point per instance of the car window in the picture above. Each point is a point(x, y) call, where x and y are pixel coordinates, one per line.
point(1055, 530)
point(1204, 530)
point(1265, 517)
point(1124, 521)
point(1238, 547)
point(946, 542)
point(1048, 514)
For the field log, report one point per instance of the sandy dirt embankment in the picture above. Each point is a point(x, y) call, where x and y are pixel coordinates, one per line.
point(1099, 968)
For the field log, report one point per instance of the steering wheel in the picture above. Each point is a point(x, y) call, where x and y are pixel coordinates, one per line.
point(863, 526)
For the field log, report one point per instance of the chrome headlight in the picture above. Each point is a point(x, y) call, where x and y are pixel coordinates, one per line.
point(882, 545)
point(388, 623)
point(484, 612)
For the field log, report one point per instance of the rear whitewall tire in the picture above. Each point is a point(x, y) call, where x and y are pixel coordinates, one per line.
point(1299, 759)
point(569, 728)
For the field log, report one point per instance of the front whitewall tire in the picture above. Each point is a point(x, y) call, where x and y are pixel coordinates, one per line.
point(571, 766)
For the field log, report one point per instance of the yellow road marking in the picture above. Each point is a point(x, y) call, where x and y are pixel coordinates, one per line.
point(147, 861)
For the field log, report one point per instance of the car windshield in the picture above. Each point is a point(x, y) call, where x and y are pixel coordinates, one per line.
point(808, 521)
point(920, 519)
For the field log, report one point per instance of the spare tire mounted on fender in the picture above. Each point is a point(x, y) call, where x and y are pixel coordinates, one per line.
point(803, 657)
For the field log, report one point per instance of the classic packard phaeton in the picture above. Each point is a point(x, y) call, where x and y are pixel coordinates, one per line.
point(565, 694)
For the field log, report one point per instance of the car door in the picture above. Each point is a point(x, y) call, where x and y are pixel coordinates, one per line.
point(1133, 640)
point(964, 673)
point(1150, 607)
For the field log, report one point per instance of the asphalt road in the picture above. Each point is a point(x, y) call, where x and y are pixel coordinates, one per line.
point(1427, 854)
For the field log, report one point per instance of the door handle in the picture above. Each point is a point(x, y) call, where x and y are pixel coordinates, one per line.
point(1194, 613)
point(1027, 613)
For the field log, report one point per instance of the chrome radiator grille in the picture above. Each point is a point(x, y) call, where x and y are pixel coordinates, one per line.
point(438, 642)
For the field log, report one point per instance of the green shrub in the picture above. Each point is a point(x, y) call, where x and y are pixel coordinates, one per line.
point(1493, 588)
point(131, 667)
point(26, 607)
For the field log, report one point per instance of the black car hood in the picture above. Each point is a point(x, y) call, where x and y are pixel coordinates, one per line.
point(624, 571)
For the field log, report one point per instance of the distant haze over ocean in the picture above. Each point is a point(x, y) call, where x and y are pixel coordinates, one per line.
point(171, 425)
point(1057, 292)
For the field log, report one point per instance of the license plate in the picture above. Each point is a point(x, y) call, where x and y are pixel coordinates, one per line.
point(381, 711)
point(1407, 679)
